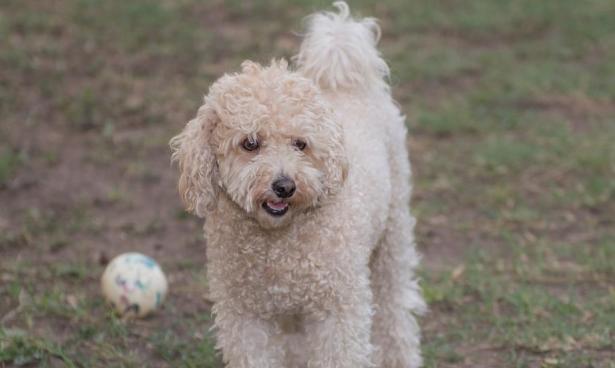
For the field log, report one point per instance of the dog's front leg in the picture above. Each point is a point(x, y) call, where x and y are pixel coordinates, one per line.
point(341, 337)
point(247, 342)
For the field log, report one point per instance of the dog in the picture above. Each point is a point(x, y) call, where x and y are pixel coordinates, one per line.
point(303, 178)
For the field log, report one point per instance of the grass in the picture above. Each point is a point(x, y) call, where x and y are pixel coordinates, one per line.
point(510, 108)
point(97, 337)
point(21, 349)
point(535, 306)
point(9, 163)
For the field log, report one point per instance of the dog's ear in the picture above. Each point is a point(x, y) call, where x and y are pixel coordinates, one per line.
point(191, 149)
point(336, 166)
point(337, 169)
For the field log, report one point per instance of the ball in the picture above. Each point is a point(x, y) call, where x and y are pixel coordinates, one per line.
point(134, 284)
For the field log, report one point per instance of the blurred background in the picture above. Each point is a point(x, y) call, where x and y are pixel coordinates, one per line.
point(511, 112)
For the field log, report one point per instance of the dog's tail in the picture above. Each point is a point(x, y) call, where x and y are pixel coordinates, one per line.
point(339, 52)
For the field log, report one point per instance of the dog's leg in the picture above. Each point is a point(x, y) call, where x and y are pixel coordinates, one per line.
point(397, 296)
point(341, 338)
point(247, 342)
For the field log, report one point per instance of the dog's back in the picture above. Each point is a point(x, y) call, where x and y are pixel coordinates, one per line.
point(339, 53)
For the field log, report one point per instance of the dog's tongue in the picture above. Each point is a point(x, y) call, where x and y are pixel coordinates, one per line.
point(278, 206)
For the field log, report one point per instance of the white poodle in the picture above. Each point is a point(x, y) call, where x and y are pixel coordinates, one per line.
point(304, 180)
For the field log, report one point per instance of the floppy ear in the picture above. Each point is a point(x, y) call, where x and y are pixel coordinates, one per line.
point(197, 164)
point(336, 167)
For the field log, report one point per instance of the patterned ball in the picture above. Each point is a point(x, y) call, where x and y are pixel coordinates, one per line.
point(134, 284)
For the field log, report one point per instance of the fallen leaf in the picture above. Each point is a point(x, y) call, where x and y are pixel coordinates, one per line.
point(457, 272)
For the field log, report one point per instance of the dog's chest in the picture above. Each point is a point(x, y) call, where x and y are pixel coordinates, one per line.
point(297, 271)
point(271, 282)
point(289, 282)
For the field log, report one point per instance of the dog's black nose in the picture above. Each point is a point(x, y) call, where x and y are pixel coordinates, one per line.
point(283, 187)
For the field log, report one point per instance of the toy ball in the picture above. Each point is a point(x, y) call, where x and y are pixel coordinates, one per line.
point(134, 284)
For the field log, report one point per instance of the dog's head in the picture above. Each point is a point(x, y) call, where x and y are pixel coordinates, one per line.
point(265, 138)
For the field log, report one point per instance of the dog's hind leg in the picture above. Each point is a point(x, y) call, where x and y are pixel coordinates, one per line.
point(397, 296)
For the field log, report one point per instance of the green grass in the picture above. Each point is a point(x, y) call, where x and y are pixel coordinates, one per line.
point(510, 108)
point(20, 349)
point(535, 304)
point(97, 337)
point(9, 163)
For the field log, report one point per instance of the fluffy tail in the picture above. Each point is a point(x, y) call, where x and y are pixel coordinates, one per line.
point(339, 53)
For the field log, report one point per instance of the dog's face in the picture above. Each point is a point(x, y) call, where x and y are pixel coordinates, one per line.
point(266, 139)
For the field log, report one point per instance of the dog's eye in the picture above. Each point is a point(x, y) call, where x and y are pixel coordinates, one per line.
point(250, 144)
point(300, 144)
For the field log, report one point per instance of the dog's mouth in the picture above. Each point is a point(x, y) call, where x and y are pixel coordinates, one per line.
point(275, 208)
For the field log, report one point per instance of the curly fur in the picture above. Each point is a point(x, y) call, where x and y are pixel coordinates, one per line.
point(330, 282)
point(340, 53)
